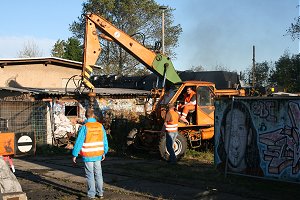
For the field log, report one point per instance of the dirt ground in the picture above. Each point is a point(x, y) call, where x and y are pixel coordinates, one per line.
point(56, 178)
point(39, 187)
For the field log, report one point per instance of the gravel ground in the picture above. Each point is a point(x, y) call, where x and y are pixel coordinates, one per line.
point(39, 187)
point(140, 179)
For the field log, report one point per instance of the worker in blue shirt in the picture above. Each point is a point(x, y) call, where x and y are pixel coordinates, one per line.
point(92, 145)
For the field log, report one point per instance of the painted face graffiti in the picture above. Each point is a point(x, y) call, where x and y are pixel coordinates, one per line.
point(236, 135)
point(236, 146)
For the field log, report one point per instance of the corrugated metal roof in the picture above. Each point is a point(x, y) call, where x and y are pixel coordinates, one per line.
point(61, 91)
point(38, 58)
point(22, 90)
point(45, 60)
point(124, 91)
point(98, 91)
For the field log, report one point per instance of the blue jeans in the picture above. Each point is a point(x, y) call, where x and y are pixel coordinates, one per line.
point(93, 173)
point(170, 140)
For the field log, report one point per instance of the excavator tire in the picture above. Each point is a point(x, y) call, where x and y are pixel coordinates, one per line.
point(133, 141)
point(130, 137)
point(180, 147)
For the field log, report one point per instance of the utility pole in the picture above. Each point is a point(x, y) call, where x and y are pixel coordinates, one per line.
point(298, 15)
point(163, 8)
point(253, 67)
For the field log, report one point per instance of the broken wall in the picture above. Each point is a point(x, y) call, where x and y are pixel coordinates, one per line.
point(50, 118)
point(68, 113)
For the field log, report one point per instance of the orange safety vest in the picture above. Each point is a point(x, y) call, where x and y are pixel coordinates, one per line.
point(93, 144)
point(189, 97)
point(172, 126)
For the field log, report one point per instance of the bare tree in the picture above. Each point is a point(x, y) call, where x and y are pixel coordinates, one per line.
point(221, 68)
point(294, 29)
point(198, 68)
point(30, 49)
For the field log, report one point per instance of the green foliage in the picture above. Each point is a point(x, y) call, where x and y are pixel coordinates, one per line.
point(261, 74)
point(286, 73)
point(131, 16)
point(73, 49)
point(203, 156)
point(58, 49)
point(70, 49)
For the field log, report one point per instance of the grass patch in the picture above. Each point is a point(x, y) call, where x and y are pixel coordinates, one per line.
point(201, 156)
point(195, 166)
point(194, 172)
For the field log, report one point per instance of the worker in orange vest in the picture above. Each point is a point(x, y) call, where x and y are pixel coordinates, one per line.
point(189, 104)
point(171, 128)
point(92, 145)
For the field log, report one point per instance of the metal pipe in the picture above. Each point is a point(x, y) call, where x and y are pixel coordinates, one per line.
point(163, 8)
point(165, 74)
point(229, 136)
point(253, 69)
point(163, 28)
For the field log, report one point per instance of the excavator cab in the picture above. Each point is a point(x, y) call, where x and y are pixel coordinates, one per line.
point(191, 115)
point(203, 113)
point(205, 105)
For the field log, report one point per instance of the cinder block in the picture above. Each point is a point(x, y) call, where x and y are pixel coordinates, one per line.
point(13, 196)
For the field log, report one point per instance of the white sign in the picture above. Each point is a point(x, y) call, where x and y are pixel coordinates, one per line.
point(24, 139)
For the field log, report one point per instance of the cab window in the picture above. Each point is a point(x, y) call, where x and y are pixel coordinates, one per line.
point(204, 96)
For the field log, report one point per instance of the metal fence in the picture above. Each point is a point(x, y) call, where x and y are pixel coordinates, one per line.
point(25, 117)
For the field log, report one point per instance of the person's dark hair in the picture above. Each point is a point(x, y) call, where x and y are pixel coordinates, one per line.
point(190, 87)
point(89, 113)
point(171, 105)
point(252, 152)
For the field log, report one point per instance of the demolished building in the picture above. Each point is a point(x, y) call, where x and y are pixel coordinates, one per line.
point(39, 100)
point(34, 101)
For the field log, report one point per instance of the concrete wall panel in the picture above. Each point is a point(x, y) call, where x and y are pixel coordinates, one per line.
point(36, 75)
point(259, 136)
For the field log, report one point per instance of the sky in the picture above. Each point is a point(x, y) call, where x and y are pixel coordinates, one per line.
point(215, 32)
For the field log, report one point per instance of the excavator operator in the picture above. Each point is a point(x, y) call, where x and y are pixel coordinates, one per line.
point(189, 104)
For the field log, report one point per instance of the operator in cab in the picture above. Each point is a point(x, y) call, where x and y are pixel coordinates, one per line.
point(189, 104)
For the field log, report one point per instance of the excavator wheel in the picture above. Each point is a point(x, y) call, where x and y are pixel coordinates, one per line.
point(133, 141)
point(180, 147)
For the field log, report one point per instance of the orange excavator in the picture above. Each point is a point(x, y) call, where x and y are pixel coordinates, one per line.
point(149, 136)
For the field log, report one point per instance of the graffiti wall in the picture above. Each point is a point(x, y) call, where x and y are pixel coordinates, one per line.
point(258, 137)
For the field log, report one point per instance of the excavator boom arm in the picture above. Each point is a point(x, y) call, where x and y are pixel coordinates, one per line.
point(92, 50)
point(157, 63)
